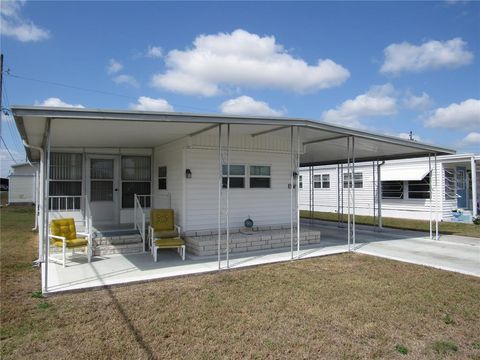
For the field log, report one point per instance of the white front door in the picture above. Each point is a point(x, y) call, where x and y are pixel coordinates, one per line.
point(102, 188)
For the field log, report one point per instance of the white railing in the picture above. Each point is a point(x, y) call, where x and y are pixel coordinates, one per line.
point(140, 204)
point(65, 202)
point(88, 216)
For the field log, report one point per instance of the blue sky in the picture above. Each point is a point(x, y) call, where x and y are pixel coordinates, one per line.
point(389, 67)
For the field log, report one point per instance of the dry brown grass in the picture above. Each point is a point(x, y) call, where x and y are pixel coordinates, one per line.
point(346, 306)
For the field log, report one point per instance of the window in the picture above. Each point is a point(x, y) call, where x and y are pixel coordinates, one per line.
point(300, 182)
point(162, 178)
point(450, 184)
point(357, 180)
point(237, 176)
point(65, 186)
point(136, 177)
point(259, 176)
point(392, 189)
point(101, 179)
point(317, 181)
point(419, 189)
point(326, 181)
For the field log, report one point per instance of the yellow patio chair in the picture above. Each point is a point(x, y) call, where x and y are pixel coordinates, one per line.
point(63, 234)
point(163, 233)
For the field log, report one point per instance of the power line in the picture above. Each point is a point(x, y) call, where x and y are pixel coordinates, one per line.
point(6, 147)
point(17, 141)
point(9, 73)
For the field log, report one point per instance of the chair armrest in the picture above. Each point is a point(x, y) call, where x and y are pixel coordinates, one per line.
point(57, 237)
point(83, 234)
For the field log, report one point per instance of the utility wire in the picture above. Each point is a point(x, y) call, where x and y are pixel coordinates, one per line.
point(6, 147)
point(17, 141)
point(9, 73)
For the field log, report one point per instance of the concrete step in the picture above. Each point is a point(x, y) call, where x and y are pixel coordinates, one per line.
point(117, 244)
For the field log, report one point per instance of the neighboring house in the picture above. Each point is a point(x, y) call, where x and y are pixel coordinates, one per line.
point(107, 168)
point(404, 190)
point(23, 184)
point(3, 184)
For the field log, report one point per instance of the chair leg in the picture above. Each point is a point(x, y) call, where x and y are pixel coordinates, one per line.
point(155, 250)
point(89, 253)
point(183, 252)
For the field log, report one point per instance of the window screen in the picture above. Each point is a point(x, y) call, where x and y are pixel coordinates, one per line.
point(65, 186)
point(136, 179)
point(419, 189)
point(392, 189)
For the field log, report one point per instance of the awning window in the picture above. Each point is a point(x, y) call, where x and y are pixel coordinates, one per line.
point(405, 174)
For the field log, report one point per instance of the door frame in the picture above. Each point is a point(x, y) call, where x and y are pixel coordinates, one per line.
point(116, 184)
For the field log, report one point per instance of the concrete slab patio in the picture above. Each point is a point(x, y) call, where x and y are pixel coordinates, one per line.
point(459, 255)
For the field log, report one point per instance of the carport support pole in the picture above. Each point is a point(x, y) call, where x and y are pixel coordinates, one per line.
point(430, 190)
point(348, 191)
point(291, 192)
point(379, 194)
point(436, 200)
point(46, 207)
point(297, 169)
point(220, 176)
point(473, 170)
point(353, 191)
point(228, 196)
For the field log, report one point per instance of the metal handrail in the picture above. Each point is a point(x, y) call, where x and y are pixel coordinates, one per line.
point(139, 221)
point(63, 202)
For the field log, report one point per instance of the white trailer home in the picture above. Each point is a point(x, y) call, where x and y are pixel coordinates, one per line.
point(23, 184)
point(107, 169)
point(419, 188)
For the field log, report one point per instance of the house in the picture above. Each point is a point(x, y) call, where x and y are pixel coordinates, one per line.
point(108, 168)
point(23, 184)
point(404, 191)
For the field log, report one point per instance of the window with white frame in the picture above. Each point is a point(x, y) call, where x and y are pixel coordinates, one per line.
point(392, 189)
point(162, 178)
point(325, 181)
point(357, 180)
point(317, 181)
point(65, 185)
point(300, 182)
point(259, 177)
point(136, 179)
point(236, 175)
point(419, 189)
point(321, 181)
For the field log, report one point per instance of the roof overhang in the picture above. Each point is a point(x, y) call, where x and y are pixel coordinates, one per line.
point(322, 143)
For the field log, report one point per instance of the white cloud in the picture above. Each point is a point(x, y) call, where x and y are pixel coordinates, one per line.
point(154, 52)
point(56, 102)
point(462, 116)
point(429, 55)
point(471, 140)
point(420, 102)
point(126, 79)
point(146, 103)
point(13, 24)
point(245, 105)
point(240, 59)
point(114, 66)
point(377, 101)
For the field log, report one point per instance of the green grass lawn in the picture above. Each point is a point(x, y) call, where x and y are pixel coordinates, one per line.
point(347, 306)
point(445, 227)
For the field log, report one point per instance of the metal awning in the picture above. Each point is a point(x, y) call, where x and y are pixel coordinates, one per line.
point(321, 143)
point(416, 173)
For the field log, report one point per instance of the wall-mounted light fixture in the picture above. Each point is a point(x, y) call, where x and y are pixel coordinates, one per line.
point(295, 174)
point(188, 174)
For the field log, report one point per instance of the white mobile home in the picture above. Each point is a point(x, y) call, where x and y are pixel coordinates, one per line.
point(410, 188)
point(107, 169)
point(23, 184)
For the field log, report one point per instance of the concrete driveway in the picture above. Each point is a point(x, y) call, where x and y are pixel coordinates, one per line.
point(453, 253)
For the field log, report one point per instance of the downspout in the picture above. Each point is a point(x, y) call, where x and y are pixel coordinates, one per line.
point(40, 203)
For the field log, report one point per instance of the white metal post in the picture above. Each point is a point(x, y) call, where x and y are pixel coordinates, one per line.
point(348, 191)
point(473, 168)
point(437, 196)
point(297, 208)
point(220, 184)
point(379, 195)
point(338, 195)
point(353, 191)
point(430, 191)
point(46, 210)
point(291, 192)
point(228, 197)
